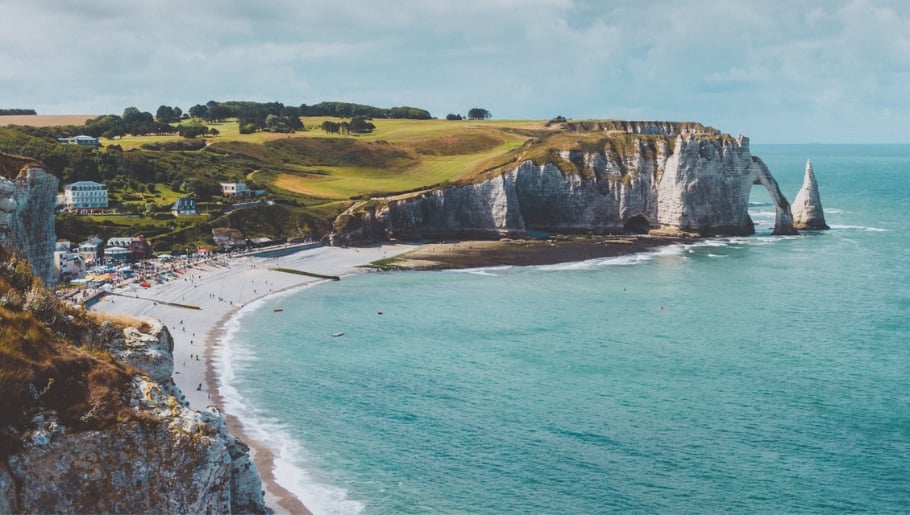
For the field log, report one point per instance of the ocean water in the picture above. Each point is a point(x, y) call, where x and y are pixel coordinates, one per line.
point(752, 374)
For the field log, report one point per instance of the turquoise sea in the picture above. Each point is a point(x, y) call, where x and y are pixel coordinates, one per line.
point(760, 374)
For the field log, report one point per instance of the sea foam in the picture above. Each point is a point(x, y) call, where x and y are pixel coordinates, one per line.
point(289, 457)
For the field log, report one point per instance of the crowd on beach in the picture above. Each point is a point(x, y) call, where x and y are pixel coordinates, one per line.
point(148, 272)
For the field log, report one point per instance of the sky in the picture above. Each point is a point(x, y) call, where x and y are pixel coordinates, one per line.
point(778, 71)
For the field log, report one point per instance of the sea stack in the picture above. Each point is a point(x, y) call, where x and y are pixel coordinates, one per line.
point(807, 206)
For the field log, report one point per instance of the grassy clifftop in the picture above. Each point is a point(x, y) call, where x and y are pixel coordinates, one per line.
point(50, 359)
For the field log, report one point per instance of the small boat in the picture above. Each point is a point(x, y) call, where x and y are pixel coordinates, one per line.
point(278, 310)
point(336, 335)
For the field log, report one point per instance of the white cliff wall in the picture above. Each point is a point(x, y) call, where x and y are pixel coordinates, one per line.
point(689, 181)
point(27, 204)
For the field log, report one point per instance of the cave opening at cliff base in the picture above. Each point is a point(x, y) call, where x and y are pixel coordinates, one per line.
point(638, 224)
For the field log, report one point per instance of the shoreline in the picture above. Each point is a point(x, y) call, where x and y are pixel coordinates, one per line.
point(221, 289)
point(260, 453)
point(214, 287)
point(521, 252)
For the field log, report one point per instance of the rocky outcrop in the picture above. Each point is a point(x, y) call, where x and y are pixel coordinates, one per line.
point(27, 202)
point(807, 206)
point(680, 177)
point(162, 457)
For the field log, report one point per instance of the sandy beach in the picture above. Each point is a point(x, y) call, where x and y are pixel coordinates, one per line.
point(221, 288)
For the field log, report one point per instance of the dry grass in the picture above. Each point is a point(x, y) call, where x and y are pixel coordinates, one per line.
point(119, 320)
point(46, 120)
point(42, 366)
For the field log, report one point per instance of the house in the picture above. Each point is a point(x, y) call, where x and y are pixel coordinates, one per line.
point(68, 264)
point(234, 189)
point(140, 248)
point(135, 248)
point(91, 250)
point(81, 139)
point(84, 195)
point(184, 206)
point(227, 237)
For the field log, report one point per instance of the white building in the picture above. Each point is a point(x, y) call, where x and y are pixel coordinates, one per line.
point(68, 264)
point(234, 189)
point(81, 139)
point(84, 195)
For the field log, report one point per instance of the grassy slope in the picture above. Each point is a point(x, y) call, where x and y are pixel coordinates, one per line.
point(426, 153)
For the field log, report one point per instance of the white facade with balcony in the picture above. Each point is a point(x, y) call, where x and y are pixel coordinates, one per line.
point(84, 195)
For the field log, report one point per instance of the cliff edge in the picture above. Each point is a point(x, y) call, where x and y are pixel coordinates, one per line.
point(600, 177)
point(92, 421)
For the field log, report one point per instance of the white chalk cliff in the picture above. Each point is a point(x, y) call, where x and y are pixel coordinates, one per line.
point(807, 206)
point(634, 177)
point(28, 196)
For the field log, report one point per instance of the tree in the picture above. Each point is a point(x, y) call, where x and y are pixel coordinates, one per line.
point(360, 125)
point(166, 114)
point(478, 113)
point(331, 127)
point(199, 111)
point(451, 116)
point(192, 130)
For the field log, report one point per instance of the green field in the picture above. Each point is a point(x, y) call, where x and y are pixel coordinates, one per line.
point(398, 156)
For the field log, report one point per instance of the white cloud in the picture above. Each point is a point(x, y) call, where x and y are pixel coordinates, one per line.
point(741, 66)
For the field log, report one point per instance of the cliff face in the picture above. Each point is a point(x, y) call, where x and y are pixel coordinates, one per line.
point(92, 421)
point(673, 176)
point(163, 458)
point(27, 202)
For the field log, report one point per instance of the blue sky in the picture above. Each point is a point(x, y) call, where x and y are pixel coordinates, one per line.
point(778, 71)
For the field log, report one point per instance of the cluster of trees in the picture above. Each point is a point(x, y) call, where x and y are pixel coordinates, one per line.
point(15, 112)
point(349, 110)
point(168, 114)
point(357, 125)
point(132, 121)
point(251, 116)
point(475, 113)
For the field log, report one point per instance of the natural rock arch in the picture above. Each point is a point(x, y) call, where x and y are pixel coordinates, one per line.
point(783, 219)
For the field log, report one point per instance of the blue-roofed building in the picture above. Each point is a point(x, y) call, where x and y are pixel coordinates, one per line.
point(184, 206)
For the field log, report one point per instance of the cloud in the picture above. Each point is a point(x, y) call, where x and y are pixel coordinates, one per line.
point(741, 66)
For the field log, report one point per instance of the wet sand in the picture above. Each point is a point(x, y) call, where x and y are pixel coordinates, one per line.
point(479, 254)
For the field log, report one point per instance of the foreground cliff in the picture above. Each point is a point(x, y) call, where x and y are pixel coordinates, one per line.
point(92, 422)
point(602, 177)
point(28, 196)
